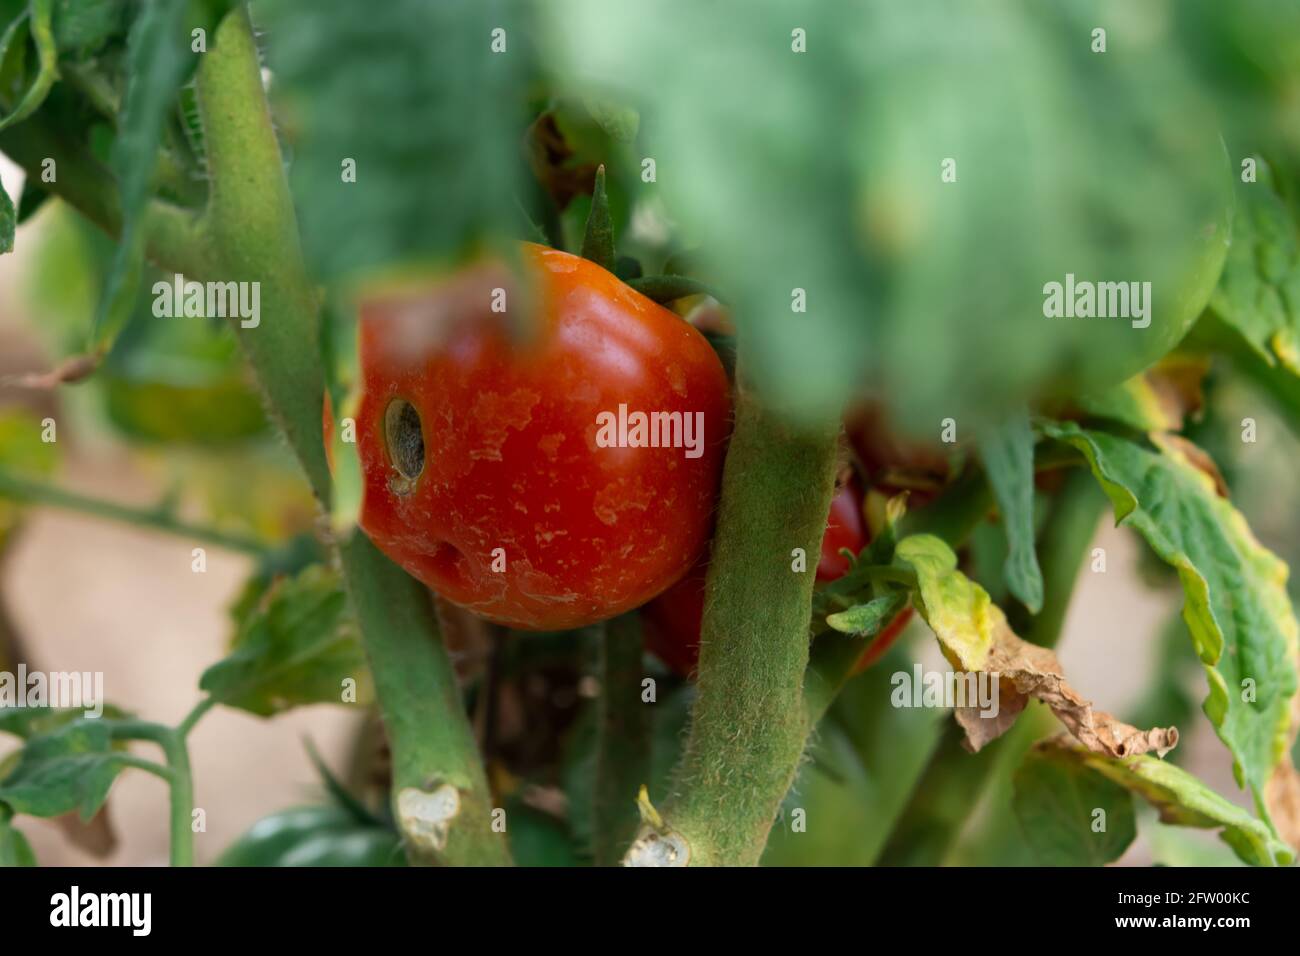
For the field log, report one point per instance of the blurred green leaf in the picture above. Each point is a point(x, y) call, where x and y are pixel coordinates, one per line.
point(538, 839)
point(83, 26)
point(295, 646)
point(8, 222)
point(28, 722)
point(863, 762)
point(160, 59)
point(413, 93)
point(1259, 294)
point(1008, 453)
point(32, 199)
point(1136, 404)
point(1236, 604)
point(314, 836)
point(1056, 800)
point(821, 171)
point(14, 848)
point(70, 768)
point(37, 23)
point(1185, 801)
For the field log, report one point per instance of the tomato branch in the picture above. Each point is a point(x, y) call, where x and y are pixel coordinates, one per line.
point(440, 792)
point(749, 725)
point(157, 519)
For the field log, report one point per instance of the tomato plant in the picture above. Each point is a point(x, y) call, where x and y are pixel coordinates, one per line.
point(467, 351)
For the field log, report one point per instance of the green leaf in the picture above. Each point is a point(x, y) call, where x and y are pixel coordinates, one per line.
point(413, 92)
point(83, 26)
point(30, 202)
point(1236, 605)
point(1258, 295)
point(8, 222)
point(1008, 453)
point(296, 647)
point(38, 24)
point(71, 768)
point(159, 61)
point(865, 620)
point(28, 722)
point(821, 171)
point(14, 848)
point(598, 238)
point(1133, 403)
point(863, 763)
point(1185, 801)
point(1056, 800)
point(957, 609)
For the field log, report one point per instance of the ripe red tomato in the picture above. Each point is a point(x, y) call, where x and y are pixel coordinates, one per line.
point(672, 620)
point(494, 470)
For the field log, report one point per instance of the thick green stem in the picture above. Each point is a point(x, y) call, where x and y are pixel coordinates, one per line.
point(31, 492)
point(955, 780)
point(623, 750)
point(440, 791)
point(251, 223)
point(750, 725)
point(440, 794)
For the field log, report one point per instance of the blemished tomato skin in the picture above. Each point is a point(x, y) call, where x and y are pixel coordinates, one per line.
point(519, 514)
point(673, 620)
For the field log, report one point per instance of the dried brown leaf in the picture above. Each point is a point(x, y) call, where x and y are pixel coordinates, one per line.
point(1026, 670)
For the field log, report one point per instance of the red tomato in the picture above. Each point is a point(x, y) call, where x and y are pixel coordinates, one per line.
point(672, 620)
point(493, 467)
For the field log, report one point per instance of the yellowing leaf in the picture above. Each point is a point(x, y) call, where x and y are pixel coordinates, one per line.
point(1236, 605)
point(1185, 801)
point(957, 609)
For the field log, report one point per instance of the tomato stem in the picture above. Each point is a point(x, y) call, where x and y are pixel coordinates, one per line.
point(19, 489)
point(439, 786)
point(749, 725)
point(623, 745)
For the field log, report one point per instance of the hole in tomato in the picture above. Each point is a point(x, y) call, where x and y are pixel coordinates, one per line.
point(405, 438)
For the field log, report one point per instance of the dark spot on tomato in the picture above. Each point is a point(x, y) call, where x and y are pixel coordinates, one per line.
point(405, 438)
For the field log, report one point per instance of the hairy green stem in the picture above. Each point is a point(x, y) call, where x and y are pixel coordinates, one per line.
point(623, 747)
point(31, 492)
point(251, 223)
point(749, 725)
point(440, 792)
point(441, 798)
point(954, 781)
